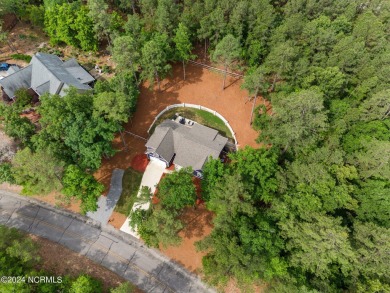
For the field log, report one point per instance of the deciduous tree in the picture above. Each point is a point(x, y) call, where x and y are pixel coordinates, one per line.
point(298, 120)
point(177, 190)
point(155, 56)
point(78, 184)
point(227, 52)
point(183, 46)
point(39, 172)
point(126, 54)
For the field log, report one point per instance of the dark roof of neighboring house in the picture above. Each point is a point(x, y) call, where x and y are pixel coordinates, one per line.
point(18, 79)
point(48, 73)
point(12, 69)
point(193, 145)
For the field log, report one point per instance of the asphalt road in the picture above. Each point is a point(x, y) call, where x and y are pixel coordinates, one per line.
point(113, 249)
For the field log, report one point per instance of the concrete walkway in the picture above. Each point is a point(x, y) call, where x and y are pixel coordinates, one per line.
point(151, 178)
point(107, 203)
point(119, 252)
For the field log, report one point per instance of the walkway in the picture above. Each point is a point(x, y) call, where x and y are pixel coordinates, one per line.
point(119, 252)
point(106, 204)
point(151, 177)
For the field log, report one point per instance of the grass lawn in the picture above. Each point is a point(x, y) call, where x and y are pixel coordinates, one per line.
point(202, 117)
point(130, 183)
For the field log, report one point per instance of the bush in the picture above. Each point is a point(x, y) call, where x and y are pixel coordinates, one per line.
point(86, 284)
point(176, 190)
point(23, 57)
point(83, 186)
point(123, 288)
point(6, 173)
point(23, 99)
point(36, 14)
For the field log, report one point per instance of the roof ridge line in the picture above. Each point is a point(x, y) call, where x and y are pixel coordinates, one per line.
point(51, 71)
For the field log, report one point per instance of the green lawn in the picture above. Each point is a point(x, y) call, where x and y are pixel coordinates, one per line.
point(130, 183)
point(202, 117)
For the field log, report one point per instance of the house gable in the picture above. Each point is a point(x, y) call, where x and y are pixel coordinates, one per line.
point(47, 73)
point(191, 146)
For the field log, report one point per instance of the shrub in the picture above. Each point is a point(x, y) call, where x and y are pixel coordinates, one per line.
point(6, 173)
point(23, 57)
point(84, 186)
point(86, 284)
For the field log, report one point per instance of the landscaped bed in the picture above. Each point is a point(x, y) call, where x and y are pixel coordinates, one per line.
point(201, 116)
point(130, 183)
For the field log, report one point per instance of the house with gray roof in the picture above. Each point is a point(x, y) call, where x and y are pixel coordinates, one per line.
point(184, 144)
point(46, 73)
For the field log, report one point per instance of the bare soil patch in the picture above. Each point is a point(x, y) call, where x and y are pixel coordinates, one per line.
point(61, 261)
point(198, 225)
point(117, 219)
point(140, 162)
point(8, 147)
point(201, 87)
point(23, 38)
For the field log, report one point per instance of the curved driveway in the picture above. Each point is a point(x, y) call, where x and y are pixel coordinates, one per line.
point(113, 249)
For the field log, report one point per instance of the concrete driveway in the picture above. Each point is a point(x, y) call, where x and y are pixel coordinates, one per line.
point(119, 252)
point(106, 204)
point(151, 178)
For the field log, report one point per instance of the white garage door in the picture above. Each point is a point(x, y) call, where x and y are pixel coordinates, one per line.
point(158, 161)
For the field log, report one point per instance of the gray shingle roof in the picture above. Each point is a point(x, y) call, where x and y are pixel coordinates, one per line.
point(43, 88)
point(48, 74)
point(193, 145)
point(77, 71)
point(17, 80)
point(12, 69)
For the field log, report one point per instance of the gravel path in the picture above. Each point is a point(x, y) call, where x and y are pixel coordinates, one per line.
point(107, 203)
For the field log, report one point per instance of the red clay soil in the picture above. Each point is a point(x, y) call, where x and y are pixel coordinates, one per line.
point(140, 162)
point(171, 168)
point(198, 225)
point(202, 87)
point(32, 116)
point(117, 219)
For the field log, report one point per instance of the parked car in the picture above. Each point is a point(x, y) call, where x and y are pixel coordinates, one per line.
point(4, 66)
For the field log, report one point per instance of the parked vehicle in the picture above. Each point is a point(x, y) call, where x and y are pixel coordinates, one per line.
point(4, 66)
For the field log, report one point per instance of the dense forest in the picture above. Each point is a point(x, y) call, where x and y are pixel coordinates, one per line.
point(311, 211)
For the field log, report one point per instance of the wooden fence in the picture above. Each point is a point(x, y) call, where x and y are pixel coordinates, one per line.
point(216, 69)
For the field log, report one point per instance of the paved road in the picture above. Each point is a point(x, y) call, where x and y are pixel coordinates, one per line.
point(115, 250)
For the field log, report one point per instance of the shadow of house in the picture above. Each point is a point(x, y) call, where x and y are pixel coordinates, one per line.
point(46, 73)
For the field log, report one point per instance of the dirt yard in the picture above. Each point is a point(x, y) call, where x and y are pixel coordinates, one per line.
point(61, 261)
point(202, 87)
point(198, 225)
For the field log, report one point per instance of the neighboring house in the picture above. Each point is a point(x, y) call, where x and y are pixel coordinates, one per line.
point(46, 73)
point(185, 145)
